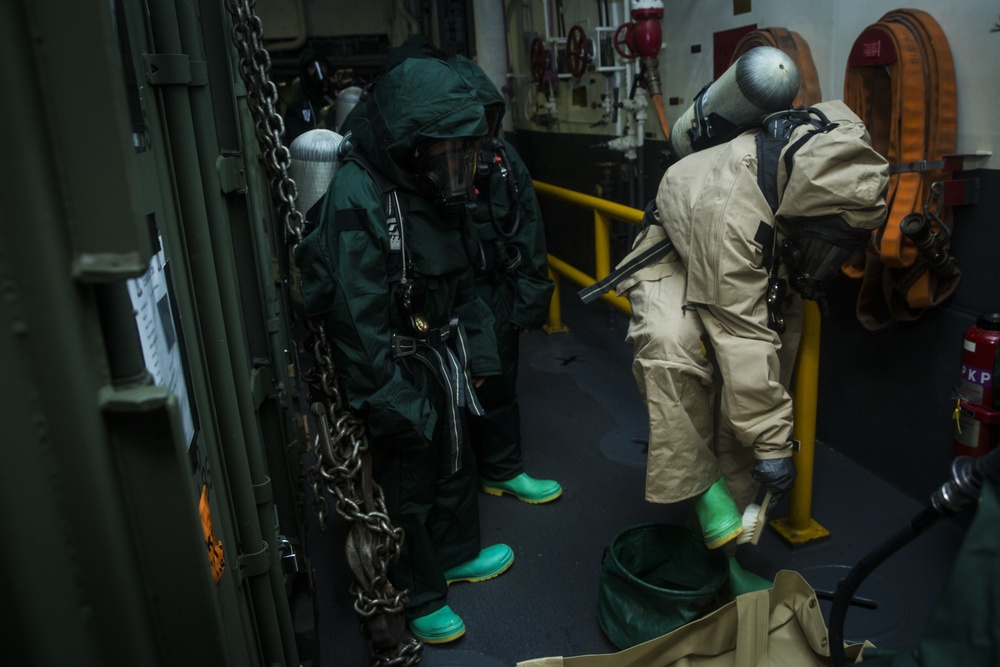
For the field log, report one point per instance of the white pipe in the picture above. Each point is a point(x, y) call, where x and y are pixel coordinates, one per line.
point(491, 46)
point(619, 75)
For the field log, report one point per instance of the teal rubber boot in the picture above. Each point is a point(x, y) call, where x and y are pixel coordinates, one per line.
point(528, 489)
point(491, 562)
point(741, 581)
point(720, 520)
point(438, 627)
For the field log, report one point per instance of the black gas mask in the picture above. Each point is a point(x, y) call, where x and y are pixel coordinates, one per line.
point(813, 253)
point(314, 79)
point(445, 171)
point(817, 248)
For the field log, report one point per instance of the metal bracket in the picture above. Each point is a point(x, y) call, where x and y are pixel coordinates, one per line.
point(948, 163)
point(232, 173)
point(262, 384)
point(174, 69)
point(262, 493)
point(254, 564)
point(960, 191)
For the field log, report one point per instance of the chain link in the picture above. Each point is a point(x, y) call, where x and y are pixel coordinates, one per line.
point(342, 467)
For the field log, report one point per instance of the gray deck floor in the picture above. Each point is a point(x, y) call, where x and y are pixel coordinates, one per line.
point(584, 425)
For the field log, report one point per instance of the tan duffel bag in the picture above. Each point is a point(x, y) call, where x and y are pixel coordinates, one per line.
point(779, 627)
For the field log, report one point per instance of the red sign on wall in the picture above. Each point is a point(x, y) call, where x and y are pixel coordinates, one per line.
point(872, 47)
point(724, 46)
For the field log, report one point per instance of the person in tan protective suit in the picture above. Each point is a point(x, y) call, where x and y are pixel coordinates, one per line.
point(714, 330)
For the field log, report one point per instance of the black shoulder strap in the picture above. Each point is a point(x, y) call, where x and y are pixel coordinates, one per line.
point(393, 206)
point(768, 153)
point(384, 184)
point(778, 128)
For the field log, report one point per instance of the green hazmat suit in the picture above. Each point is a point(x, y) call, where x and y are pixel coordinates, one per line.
point(514, 281)
point(415, 397)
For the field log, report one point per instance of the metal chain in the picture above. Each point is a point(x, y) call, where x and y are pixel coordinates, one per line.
point(342, 465)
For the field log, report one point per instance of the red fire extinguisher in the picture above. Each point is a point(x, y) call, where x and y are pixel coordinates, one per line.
point(977, 408)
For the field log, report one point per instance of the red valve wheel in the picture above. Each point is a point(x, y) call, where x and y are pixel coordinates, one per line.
point(622, 41)
point(577, 51)
point(537, 59)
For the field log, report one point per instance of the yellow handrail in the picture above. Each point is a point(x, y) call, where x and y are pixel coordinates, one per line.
point(798, 527)
point(604, 212)
point(608, 208)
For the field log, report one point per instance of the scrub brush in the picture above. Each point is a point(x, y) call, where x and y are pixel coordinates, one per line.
point(754, 518)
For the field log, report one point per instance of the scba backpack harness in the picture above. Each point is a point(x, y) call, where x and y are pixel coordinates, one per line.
point(778, 130)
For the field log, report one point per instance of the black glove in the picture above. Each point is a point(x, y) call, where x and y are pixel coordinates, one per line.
point(778, 475)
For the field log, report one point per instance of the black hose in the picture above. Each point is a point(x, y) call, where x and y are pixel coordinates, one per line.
point(849, 585)
point(513, 198)
point(954, 495)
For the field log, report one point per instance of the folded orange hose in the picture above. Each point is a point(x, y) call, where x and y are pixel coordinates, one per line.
point(900, 80)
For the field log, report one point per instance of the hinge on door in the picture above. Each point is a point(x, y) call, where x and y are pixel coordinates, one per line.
point(232, 174)
point(174, 69)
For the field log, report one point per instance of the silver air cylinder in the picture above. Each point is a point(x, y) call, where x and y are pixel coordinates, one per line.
point(760, 82)
point(347, 99)
point(314, 161)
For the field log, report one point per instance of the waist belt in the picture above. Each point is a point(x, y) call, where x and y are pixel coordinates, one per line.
point(900, 80)
point(404, 346)
point(450, 365)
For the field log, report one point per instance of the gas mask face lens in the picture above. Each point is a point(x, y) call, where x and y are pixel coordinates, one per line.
point(446, 170)
point(816, 262)
point(817, 249)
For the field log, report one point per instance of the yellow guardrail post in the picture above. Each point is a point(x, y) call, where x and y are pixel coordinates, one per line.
point(555, 323)
point(604, 211)
point(602, 245)
point(799, 526)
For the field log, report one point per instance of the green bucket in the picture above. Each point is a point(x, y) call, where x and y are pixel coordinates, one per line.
point(654, 579)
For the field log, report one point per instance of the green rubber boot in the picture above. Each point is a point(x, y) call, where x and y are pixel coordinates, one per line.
point(741, 581)
point(491, 562)
point(720, 520)
point(526, 488)
point(439, 627)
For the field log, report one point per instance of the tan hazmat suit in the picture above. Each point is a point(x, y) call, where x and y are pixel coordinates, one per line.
point(714, 377)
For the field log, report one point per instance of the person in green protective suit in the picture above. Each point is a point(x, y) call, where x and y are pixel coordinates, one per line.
point(513, 280)
point(388, 272)
point(964, 628)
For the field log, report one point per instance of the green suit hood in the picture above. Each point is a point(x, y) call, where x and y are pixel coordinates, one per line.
point(419, 100)
point(486, 90)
